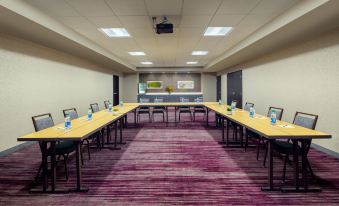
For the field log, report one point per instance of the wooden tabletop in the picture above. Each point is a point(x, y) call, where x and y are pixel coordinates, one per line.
point(262, 125)
point(81, 127)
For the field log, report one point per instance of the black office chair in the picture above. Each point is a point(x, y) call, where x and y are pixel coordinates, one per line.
point(233, 124)
point(95, 107)
point(199, 109)
point(248, 106)
point(286, 147)
point(107, 103)
point(144, 109)
point(159, 109)
point(184, 109)
point(73, 114)
point(62, 148)
point(259, 139)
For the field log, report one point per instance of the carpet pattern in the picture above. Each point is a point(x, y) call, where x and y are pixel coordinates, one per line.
point(161, 165)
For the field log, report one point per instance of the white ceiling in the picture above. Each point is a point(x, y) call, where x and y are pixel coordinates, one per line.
point(190, 19)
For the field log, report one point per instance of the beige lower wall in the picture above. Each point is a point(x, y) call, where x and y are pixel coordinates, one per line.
point(130, 87)
point(209, 87)
point(36, 80)
point(304, 77)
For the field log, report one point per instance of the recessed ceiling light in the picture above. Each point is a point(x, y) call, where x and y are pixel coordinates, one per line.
point(217, 31)
point(115, 32)
point(199, 53)
point(136, 53)
point(147, 63)
point(191, 62)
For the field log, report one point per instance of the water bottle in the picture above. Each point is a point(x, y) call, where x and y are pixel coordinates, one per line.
point(233, 106)
point(110, 107)
point(89, 114)
point(273, 117)
point(252, 112)
point(220, 102)
point(121, 103)
point(67, 122)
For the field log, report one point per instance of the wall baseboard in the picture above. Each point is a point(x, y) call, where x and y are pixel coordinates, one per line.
point(15, 148)
point(325, 150)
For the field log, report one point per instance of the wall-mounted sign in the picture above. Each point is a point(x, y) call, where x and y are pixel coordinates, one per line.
point(185, 84)
point(154, 84)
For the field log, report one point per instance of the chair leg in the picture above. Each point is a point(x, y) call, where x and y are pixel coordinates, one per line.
point(65, 164)
point(258, 147)
point(246, 142)
point(38, 174)
point(179, 116)
point(266, 151)
point(310, 169)
point(163, 117)
point(149, 117)
point(153, 117)
point(193, 116)
point(88, 149)
point(284, 169)
point(82, 156)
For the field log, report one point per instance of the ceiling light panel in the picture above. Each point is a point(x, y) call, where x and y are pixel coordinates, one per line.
point(115, 32)
point(199, 53)
point(137, 53)
point(217, 31)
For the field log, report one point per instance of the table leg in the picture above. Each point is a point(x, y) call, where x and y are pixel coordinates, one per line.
point(78, 168)
point(116, 136)
point(53, 166)
point(223, 130)
point(44, 167)
point(270, 167)
point(135, 117)
point(166, 108)
point(120, 129)
point(207, 112)
point(296, 164)
point(175, 116)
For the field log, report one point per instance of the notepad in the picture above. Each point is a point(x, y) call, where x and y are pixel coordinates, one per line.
point(285, 126)
point(260, 117)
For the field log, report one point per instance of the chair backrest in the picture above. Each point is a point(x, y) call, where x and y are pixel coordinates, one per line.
point(72, 113)
point(106, 103)
point(42, 121)
point(278, 111)
point(305, 120)
point(144, 100)
point(157, 100)
point(199, 99)
point(95, 107)
point(248, 106)
point(183, 99)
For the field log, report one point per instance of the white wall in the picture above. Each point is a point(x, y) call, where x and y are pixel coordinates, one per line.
point(36, 80)
point(130, 87)
point(209, 87)
point(304, 77)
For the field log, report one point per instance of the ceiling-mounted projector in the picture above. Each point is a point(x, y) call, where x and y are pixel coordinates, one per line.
point(164, 27)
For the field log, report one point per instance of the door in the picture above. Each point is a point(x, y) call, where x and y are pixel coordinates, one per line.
point(115, 90)
point(218, 88)
point(234, 88)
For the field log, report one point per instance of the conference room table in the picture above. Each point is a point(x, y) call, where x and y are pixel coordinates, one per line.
point(81, 129)
point(280, 131)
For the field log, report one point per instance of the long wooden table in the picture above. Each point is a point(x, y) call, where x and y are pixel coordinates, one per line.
point(81, 129)
point(282, 130)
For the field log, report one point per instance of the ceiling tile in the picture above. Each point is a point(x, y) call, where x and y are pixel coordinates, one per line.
point(207, 43)
point(164, 7)
point(90, 7)
point(237, 6)
point(105, 21)
point(195, 21)
point(128, 7)
point(136, 21)
point(226, 20)
point(77, 23)
point(141, 32)
point(200, 7)
point(55, 8)
point(272, 6)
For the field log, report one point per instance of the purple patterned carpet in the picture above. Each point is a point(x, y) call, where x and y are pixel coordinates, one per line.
point(161, 165)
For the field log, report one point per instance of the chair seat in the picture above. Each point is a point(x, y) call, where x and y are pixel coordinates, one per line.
point(63, 147)
point(285, 147)
point(185, 111)
point(143, 111)
point(200, 111)
point(158, 111)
